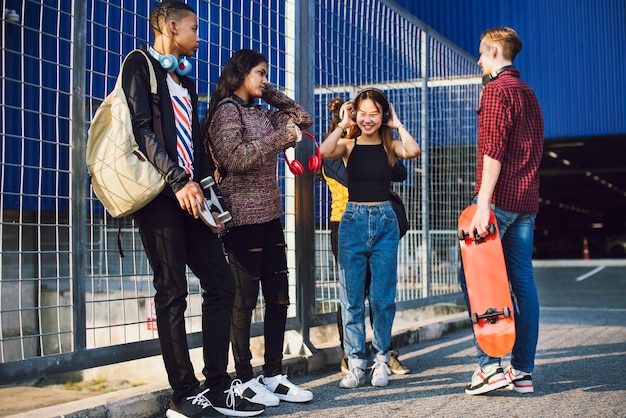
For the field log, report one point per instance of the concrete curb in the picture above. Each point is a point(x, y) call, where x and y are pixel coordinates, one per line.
point(153, 399)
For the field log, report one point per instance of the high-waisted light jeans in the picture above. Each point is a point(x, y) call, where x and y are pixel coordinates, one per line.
point(368, 235)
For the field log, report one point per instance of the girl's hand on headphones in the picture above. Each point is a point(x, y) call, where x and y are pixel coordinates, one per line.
point(393, 121)
point(295, 131)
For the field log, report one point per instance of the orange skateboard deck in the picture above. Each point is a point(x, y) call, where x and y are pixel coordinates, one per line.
point(487, 282)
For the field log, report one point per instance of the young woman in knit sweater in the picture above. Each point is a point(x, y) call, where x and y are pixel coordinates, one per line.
point(245, 139)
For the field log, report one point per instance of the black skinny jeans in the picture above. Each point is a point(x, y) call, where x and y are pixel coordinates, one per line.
point(257, 254)
point(173, 239)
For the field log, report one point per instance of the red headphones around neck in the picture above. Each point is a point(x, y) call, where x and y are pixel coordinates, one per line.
point(314, 163)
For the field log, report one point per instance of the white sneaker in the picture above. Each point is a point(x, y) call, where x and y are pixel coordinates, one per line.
point(519, 381)
point(486, 379)
point(353, 378)
point(282, 388)
point(380, 374)
point(255, 391)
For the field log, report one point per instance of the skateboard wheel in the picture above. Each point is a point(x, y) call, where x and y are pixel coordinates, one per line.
point(506, 311)
point(460, 234)
point(207, 182)
point(224, 217)
point(474, 318)
point(491, 229)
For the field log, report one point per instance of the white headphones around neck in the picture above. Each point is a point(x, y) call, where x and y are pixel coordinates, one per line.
point(170, 63)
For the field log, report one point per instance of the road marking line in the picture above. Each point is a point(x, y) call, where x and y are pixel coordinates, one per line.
point(578, 308)
point(591, 273)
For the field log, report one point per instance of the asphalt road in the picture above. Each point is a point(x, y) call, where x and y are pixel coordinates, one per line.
point(595, 287)
point(580, 365)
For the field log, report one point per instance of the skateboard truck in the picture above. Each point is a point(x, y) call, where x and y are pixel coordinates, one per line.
point(491, 315)
point(461, 235)
point(224, 216)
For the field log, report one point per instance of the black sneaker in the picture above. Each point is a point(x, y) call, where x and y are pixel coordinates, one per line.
point(230, 402)
point(195, 405)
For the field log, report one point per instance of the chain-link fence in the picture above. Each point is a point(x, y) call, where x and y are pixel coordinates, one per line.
point(68, 301)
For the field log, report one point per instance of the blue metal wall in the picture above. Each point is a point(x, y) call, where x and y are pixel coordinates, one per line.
point(572, 56)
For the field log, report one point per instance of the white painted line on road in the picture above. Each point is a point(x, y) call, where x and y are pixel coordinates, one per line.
point(589, 274)
point(579, 309)
point(581, 263)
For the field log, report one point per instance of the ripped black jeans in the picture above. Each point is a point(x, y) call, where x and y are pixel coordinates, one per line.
point(257, 254)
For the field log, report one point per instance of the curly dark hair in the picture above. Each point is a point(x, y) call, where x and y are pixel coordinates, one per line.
point(334, 106)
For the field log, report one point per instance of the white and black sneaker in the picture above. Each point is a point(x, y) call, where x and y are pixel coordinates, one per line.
point(229, 402)
point(255, 391)
point(280, 386)
point(486, 379)
point(519, 381)
point(194, 405)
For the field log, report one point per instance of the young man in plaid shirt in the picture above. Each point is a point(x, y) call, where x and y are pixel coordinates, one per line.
point(510, 146)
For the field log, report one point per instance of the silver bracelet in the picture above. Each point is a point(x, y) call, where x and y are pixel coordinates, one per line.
point(399, 126)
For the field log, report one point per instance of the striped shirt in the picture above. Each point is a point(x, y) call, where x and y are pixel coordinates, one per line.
point(181, 103)
point(510, 130)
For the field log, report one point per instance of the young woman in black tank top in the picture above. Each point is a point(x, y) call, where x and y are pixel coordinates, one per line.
point(368, 231)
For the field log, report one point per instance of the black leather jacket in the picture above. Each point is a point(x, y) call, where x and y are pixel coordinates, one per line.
point(136, 84)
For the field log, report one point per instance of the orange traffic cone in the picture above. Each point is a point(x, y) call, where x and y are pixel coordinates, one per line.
point(585, 249)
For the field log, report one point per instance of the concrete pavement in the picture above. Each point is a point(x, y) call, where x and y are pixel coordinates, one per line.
point(580, 366)
point(580, 369)
point(152, 400)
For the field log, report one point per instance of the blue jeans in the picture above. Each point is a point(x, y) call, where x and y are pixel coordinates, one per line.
point(368, 235)
point(516, 231)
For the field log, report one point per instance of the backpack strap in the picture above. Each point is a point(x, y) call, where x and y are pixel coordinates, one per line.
point(119, 237)
point(153, 81)
point(157, 126)
point(220, 168)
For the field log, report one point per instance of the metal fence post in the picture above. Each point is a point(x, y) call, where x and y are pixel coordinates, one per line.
point(79, 190)
point(305, 216)
point(424, 130)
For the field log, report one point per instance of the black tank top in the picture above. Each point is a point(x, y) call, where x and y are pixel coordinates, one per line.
point(369, 174)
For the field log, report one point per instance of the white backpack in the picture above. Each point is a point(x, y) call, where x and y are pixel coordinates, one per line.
point(121, 176)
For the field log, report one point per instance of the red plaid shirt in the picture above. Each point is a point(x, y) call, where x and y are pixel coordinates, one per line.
point(510, 130)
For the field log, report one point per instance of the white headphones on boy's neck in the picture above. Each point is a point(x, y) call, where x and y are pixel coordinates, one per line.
point(170, 63)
